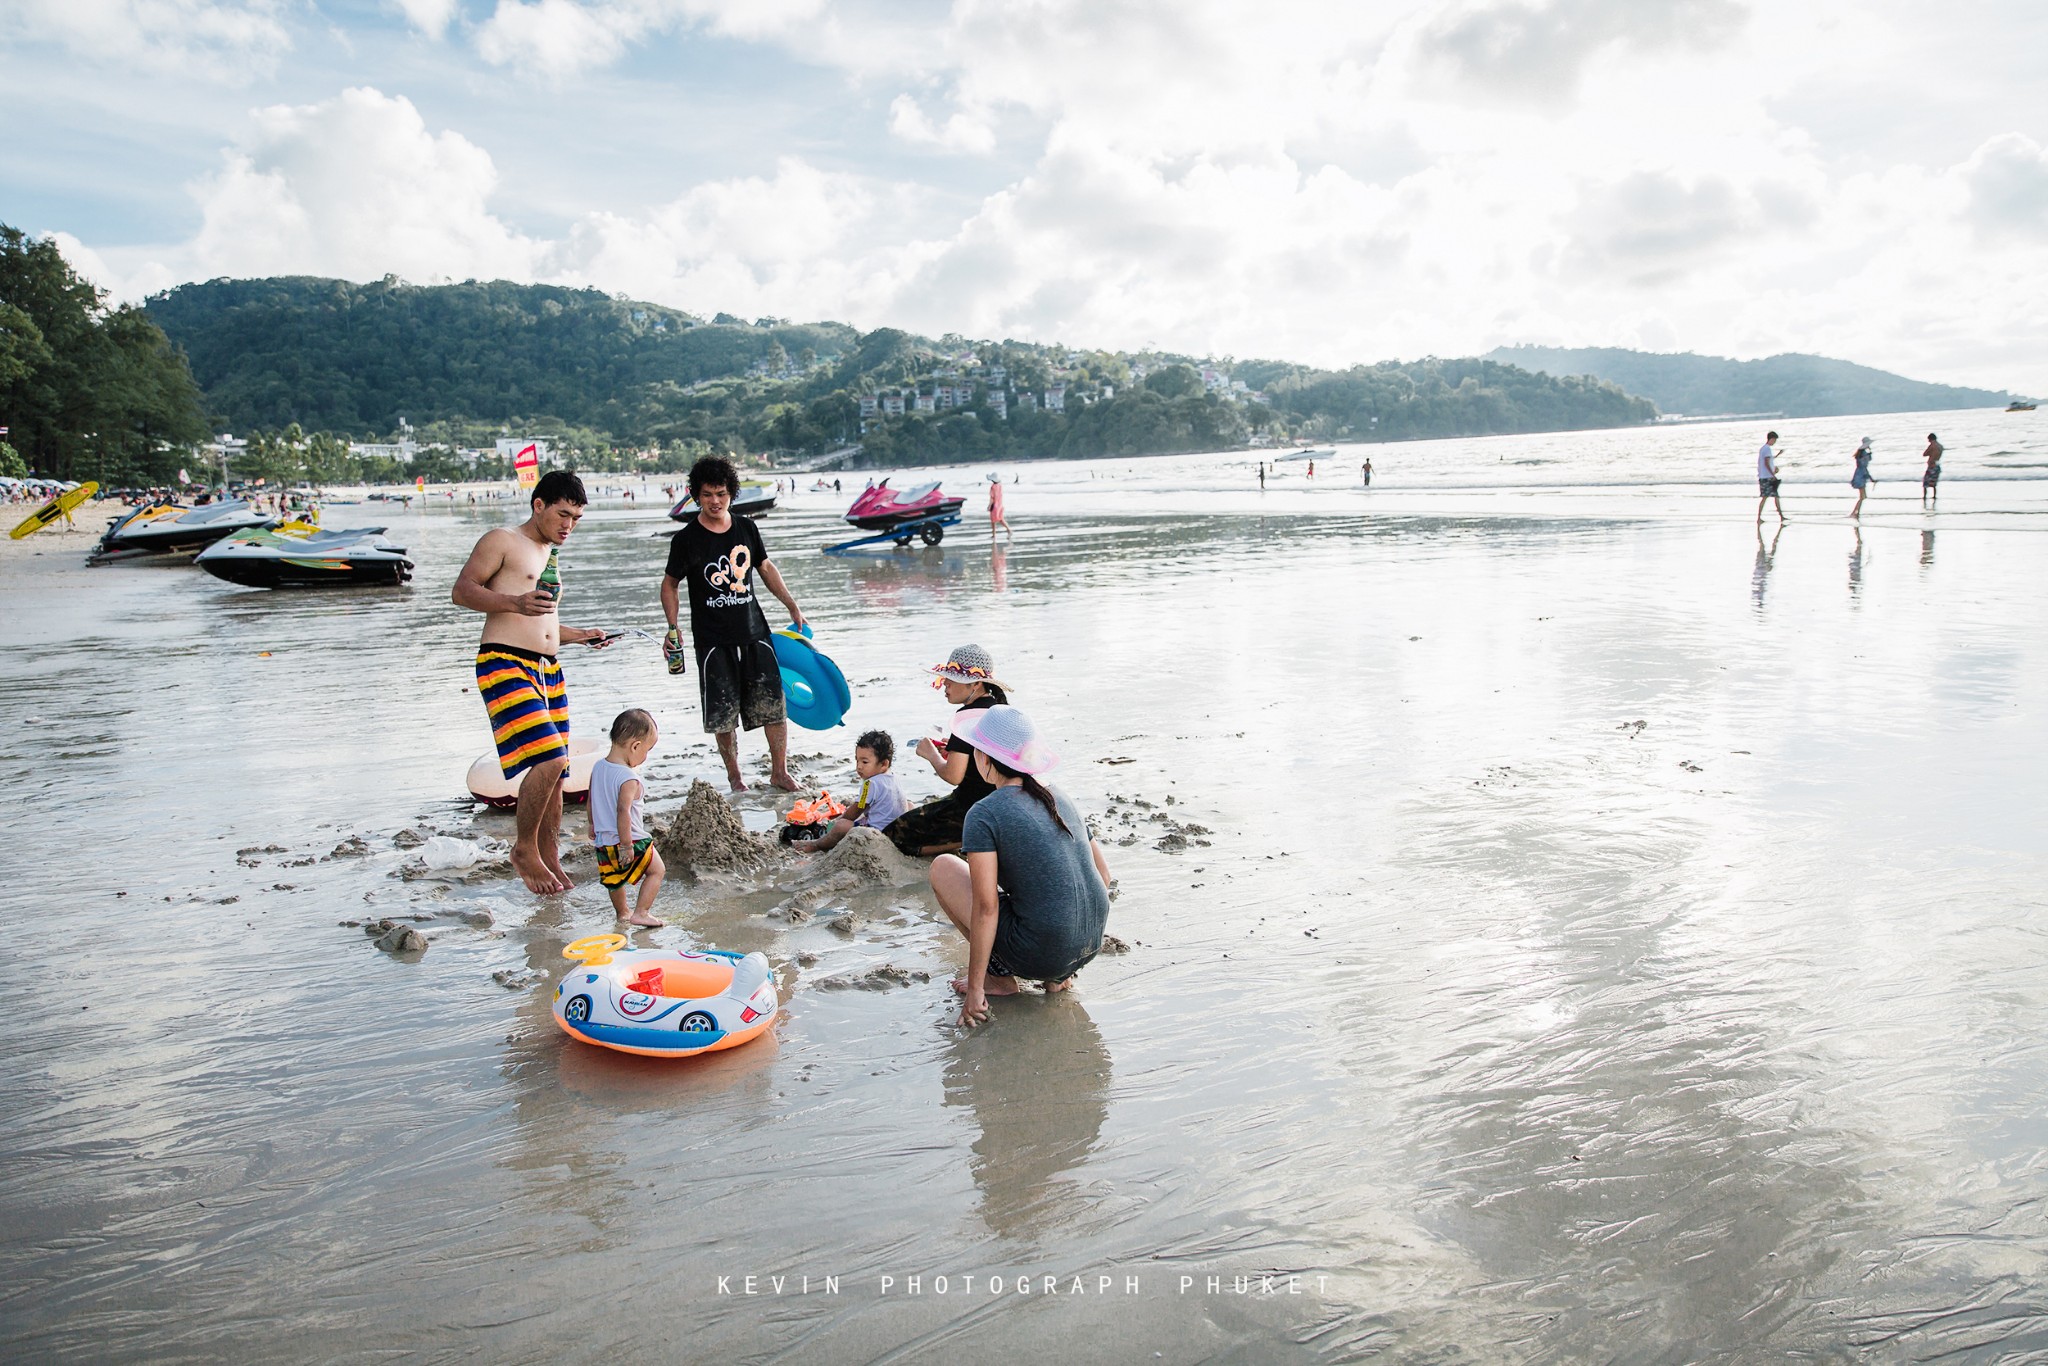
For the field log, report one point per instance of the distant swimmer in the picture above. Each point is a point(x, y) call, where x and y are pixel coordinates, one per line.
point(1930, 482)
point(513, 577)
point(1861, 480)
point(1767, 477)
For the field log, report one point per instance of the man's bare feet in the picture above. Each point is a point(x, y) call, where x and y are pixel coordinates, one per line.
point(538, 877)
point(640, 922)
point(780, 778)
point(553, 863)
point(1050, 987)
point(992, 986)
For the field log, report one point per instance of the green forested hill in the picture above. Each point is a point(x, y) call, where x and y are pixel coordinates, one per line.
point(1789, 385)
point(460, 362)
point(335, 356)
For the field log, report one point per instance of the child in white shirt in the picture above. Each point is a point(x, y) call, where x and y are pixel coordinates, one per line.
point(626, 855)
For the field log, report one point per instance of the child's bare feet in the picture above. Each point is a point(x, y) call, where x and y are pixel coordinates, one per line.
point(640, 920)
point(992, 986)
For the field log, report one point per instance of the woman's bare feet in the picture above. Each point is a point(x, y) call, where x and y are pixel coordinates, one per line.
point(992, 986)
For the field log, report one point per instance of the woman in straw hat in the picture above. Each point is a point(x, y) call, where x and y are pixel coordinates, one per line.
point(969, 679)
point(1032, 893)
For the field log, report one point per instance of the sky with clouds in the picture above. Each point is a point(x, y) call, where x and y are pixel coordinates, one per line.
point(1325, 182)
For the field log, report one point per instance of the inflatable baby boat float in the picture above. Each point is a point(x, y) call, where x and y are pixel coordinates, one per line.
point(489, 785)
point(663, 1003)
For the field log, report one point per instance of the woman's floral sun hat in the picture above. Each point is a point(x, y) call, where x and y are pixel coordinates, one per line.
point(970, 664)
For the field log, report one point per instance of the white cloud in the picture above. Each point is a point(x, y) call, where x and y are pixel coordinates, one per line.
point(1537, 52)
point(791, 244)
point(431, 17)
point(355, 187)
point(558, 39)
point(962, 132)
point(222, 39)
point(2008, 180)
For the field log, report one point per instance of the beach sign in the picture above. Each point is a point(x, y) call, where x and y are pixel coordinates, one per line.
point(527, 463)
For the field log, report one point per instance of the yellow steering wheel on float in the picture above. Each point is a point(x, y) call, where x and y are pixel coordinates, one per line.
point(595, 950)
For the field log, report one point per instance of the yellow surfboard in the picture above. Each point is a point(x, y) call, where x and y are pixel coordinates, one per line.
point(60, 506)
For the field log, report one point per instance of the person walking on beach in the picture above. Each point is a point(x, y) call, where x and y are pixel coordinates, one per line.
point(1861, 480)
point(719, 555)
point(1366, 470)
point(513, 577)
point(1031, 894)
point(1262, 476)
point(1767, 478)
point(1930, 482)
point(995, 507)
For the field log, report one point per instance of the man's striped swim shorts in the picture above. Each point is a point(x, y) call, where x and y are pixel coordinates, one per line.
point(528, 703)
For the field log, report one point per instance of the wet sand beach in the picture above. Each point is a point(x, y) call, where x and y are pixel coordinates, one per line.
point(1563, 923)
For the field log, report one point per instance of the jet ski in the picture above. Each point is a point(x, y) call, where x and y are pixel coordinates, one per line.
point(756, 496)
point(298, 555)
point(173, 528)
point(881, 507)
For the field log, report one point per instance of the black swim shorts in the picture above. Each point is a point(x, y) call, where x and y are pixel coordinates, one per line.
point(1766, 488)
point(739, 684)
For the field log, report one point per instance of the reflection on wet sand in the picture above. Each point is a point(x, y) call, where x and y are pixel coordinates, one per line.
point(1760, 577)
point(886, 580)
point(1038, 1089)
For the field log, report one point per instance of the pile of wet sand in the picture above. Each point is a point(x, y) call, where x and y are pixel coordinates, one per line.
point(707, 833)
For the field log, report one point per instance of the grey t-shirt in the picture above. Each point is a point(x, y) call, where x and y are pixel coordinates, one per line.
point(1058, 905)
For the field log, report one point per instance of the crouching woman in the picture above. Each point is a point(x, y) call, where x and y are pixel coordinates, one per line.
point(1032, 892)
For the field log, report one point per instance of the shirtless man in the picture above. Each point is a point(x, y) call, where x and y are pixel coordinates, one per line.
point(512, 577)
point(1930, 482)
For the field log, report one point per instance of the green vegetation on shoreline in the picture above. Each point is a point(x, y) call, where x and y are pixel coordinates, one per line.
point(313, 372)
point(620, 384)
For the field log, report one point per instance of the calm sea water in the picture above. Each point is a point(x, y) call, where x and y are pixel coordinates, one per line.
point(1620, 935)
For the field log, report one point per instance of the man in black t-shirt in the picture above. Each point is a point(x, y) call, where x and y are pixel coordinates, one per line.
point(716, 558)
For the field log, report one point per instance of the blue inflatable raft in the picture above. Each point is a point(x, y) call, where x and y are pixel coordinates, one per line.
point(812, 685)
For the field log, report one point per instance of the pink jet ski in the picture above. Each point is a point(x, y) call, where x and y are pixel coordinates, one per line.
point(881, 507)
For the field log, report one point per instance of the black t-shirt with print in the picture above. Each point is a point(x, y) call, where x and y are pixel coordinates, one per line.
point(717, 573)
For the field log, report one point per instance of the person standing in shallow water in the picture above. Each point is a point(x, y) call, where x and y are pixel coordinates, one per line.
point(716, 559)
point(1767, 478)
point(1861, 480)
point(513, 577)
point(1930, 482)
